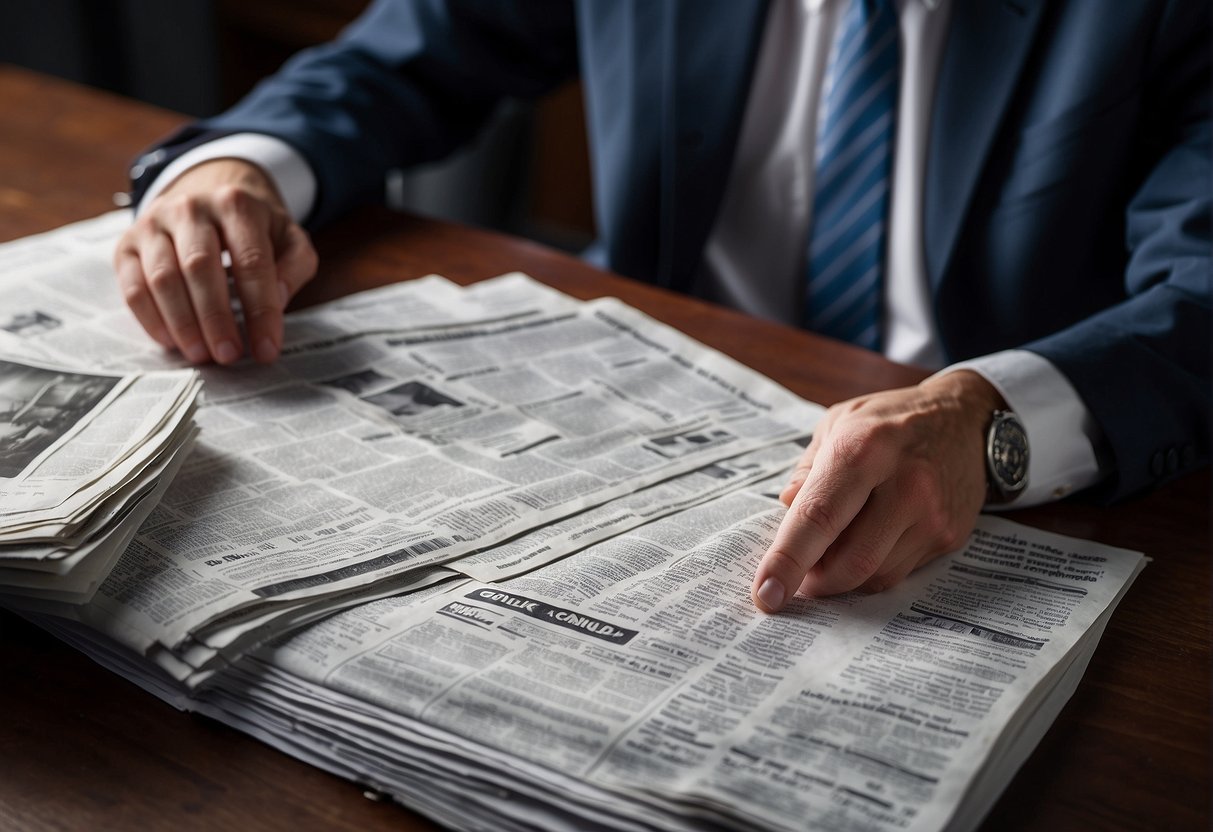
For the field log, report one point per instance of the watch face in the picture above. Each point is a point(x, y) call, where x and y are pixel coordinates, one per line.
point(1008, 453)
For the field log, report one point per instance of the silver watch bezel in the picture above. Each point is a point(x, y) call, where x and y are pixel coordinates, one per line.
point(1006, 479)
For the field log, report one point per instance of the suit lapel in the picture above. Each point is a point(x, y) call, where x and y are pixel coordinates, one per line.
point(710, 55)
point(987, 45)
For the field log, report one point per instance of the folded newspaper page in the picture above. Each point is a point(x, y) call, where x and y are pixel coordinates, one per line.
point(84, 457)
point(633, 685)
point(634, 681)
point(488, 551)
point(409, 428)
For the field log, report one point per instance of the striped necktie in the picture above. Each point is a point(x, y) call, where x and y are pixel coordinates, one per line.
point(854, 158)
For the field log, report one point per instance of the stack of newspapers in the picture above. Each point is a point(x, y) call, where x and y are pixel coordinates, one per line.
point(487, 551)
point(84, 458)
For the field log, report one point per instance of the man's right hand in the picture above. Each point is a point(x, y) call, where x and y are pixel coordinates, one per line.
point(171, 275)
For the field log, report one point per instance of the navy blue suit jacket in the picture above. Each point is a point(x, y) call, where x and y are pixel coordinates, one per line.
point(1068, 180)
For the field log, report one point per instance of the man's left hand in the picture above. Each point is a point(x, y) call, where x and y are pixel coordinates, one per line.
point(889, 482)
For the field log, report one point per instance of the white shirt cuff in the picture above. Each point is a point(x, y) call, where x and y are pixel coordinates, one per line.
point(1062, 433)
point(286, 168)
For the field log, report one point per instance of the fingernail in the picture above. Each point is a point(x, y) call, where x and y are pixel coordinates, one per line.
point(227, 352)
point(266, 351)
point(283, 293)
point(196, 353)
point(771, 594)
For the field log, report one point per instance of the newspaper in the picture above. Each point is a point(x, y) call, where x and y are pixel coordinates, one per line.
point(83, 458)
point(488, 551)
point(67, 437)
point(408, 428)
point(639, 669)
point(633, 684)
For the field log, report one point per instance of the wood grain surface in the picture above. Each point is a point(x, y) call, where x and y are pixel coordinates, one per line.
point(81, 749)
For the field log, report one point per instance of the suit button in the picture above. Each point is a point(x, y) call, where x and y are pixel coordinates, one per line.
point(1172, 461)
point(1156, 464)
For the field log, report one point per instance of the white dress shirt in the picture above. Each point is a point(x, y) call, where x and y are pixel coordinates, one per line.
point(754, 259)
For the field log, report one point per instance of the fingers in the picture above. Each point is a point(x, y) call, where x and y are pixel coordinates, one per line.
point(295, 265)
point(245, 225)
point(169, 267)
point(198, 253)
point(137, 296)
point(889, 481)
point(162, 274)
point(919, 544)
point(909, 553)
point(876, 548)
point(838, 486)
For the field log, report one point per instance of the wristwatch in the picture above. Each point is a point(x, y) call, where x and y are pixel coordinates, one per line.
point(1006, 457)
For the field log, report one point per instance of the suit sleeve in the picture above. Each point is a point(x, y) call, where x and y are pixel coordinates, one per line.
point(408, 82)
point(1143, 365)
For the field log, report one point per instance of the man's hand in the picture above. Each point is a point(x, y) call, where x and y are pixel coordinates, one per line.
point(170, 272)
point(889, 482)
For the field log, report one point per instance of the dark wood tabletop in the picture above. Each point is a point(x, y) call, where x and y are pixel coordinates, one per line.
point(83, 749)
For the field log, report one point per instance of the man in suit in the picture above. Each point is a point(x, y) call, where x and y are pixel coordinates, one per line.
point(1038, 208)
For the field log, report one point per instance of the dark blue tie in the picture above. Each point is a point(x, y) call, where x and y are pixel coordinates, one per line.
point(854, 159)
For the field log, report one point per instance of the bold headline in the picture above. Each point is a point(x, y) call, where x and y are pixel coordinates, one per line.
point(554, 615)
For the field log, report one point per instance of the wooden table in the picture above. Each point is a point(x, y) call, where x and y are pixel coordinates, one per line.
point(82, 749)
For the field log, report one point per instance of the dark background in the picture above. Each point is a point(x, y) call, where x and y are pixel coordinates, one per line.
point(527, 174)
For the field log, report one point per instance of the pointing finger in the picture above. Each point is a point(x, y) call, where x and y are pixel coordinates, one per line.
point(836, 490)
point(862, 549)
